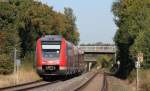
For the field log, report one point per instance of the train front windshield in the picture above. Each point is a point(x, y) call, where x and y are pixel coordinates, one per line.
point(51, 50)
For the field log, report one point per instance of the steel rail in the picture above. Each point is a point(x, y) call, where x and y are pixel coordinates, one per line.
point(27, 86)
point(19, 85)
point(105, 83)
point(88, 81)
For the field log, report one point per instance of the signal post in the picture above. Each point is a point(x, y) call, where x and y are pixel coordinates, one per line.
point(137, 65)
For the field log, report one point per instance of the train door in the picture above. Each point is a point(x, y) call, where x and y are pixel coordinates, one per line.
point(69, 55)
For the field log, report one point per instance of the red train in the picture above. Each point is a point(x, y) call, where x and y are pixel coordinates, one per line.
point(56, 56)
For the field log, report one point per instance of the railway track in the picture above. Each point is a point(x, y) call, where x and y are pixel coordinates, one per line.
point(105, 84)
point(28, 86)
point(83, 85)
point(103, 87)
point(42, 85)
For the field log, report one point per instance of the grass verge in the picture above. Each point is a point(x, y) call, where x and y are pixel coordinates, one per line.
point(26, 73)
point(115, 84)
point(144, 78)
point(23, 76)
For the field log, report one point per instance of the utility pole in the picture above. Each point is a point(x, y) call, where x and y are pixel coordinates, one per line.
point(16, 66)
point(15, 52)
point(137, 74)
point(137, 65)
point(137, 78)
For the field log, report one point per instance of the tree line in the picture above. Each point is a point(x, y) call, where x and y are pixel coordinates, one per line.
point(22, 22)
point(132, 18)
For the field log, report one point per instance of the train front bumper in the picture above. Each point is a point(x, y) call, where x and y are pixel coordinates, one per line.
point(42, 71)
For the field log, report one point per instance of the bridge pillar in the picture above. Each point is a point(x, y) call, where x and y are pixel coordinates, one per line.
point(89, 66)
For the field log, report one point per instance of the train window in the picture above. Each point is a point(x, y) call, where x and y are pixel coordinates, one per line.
point(51, 50)
point(51, 53)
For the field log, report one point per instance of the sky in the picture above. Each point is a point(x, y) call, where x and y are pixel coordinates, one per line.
point(94, 18)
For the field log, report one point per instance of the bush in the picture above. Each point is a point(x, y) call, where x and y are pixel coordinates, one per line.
point(6, 64)
point(104, 61)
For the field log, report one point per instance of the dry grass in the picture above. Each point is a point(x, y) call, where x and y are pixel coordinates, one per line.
point(144, 78)
point(115, 84)
point(23, 76)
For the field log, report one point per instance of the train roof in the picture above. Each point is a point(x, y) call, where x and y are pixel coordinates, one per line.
point(51, 38)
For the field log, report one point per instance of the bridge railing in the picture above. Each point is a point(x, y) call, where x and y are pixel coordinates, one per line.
point(98, 48)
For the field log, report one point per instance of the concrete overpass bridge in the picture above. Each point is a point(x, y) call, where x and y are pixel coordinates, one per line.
point(92, 52)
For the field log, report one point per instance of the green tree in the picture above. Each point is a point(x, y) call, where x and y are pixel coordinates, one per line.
point(131, 18)
point(9, 38)
point(141, 44)
point(104, 61)
point(71, 29)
